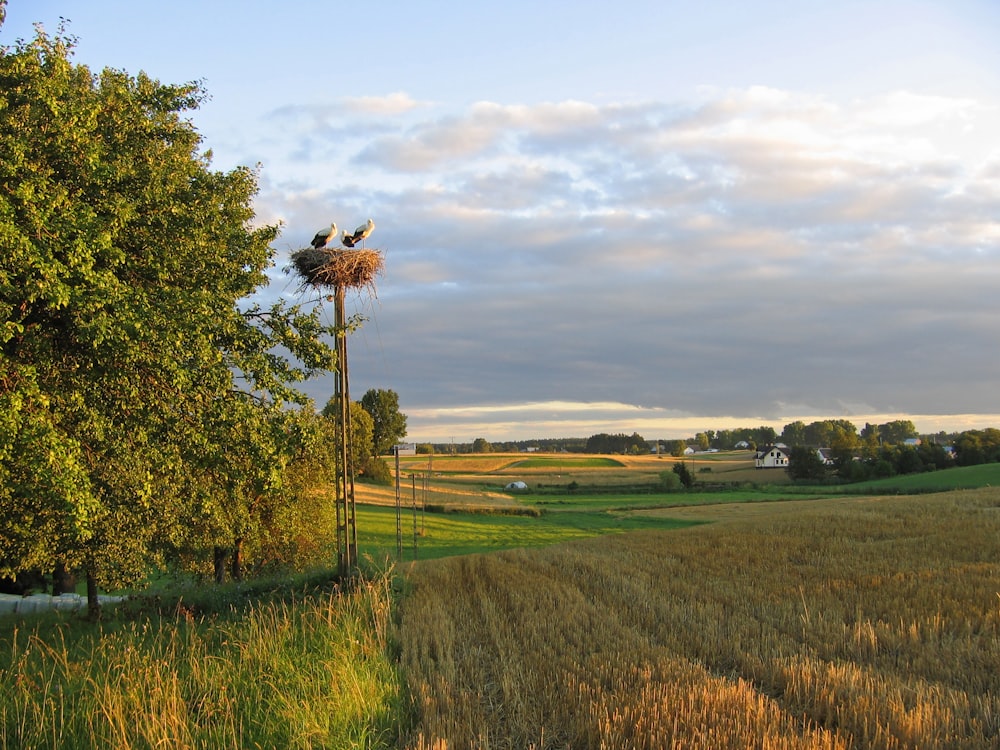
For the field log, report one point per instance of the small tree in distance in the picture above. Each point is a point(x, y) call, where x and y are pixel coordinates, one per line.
point(388, 423)
point(684, 474)
point(805, 463)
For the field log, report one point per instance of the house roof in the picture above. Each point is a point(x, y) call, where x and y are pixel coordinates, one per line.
point(768, 448)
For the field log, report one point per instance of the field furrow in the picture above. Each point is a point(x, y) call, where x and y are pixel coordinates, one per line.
point(872, 624)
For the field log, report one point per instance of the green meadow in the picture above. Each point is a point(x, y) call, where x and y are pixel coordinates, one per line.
point(431, 535)
point(567, 463)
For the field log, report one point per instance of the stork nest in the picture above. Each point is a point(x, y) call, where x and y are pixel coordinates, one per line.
point(338, 267)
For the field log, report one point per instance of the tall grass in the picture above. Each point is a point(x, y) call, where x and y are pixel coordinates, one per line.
point(875, 625)
point(312, 672)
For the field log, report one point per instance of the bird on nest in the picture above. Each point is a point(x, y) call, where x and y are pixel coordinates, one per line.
point(323, 236)
point(360, 234)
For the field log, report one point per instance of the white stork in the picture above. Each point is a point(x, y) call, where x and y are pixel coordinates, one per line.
point(323, 236)
point(360, 234)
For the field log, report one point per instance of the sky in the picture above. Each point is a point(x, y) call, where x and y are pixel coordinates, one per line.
point(660, 217)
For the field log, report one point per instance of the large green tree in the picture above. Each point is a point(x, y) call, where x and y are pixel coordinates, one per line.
point(388, 422)
point(361, 439)
point(131, 362)
point(896, 432)
point(805, 463)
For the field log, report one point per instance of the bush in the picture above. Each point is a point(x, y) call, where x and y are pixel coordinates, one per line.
point(669, 481)
point(883, 469)
point(684, 474)
point(377, 471)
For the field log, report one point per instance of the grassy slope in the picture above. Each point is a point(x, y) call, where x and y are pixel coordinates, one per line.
point(445, 534)
point(963, 477)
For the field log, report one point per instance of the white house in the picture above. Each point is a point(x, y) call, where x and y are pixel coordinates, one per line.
point(771, 457)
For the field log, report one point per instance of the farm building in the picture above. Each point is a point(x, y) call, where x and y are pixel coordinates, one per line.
point(771, 457)
point(515, 486)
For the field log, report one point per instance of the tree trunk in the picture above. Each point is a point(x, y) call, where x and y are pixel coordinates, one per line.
point(93, 600)
point(63, 582)
point(219, 555)
point(237, 563)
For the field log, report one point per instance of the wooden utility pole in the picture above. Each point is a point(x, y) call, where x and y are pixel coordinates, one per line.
point(337, 270)
point(399, 519)
point(347, 527)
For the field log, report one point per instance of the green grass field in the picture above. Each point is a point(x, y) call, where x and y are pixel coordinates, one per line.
point(567, 463)
point(488, 524)
point(448, 534)
point(960, 478)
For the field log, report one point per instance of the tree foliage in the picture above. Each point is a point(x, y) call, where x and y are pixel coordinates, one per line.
point(978, 447)
point(388, 423)
point(806, 464)
point(360, 440)
point(684, 474)
point(620, 443)
point(677, 448)
point(137, 383)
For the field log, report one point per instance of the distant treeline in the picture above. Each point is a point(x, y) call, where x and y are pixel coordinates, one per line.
point(973, 446)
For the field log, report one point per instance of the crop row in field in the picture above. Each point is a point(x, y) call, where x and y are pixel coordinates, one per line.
point(870, 622)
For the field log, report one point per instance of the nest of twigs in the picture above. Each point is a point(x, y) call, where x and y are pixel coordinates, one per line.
point(338, 267)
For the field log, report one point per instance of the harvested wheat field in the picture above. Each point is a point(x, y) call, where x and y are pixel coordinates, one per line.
point(869, 623)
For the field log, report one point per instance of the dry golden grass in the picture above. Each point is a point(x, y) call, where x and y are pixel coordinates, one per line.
point(865, 623)
point(477, 463)
point(437, 494)
point(548, 469)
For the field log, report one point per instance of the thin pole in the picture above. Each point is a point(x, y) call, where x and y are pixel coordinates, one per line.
point(399, 519)
point(427, 476)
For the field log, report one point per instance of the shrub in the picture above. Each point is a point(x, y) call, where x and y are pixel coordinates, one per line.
point(684, 474)
point(377, 471)
point(669, 481)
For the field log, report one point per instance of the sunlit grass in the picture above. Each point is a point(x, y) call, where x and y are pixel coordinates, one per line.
point(447, 534)
point(316, 671)
point(962, 477)
point(567, 463)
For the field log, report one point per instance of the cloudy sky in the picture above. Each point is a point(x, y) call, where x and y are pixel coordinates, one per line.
point(663, 216)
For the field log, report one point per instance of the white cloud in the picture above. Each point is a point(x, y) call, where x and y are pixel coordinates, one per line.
point(390, 104)
point(716, 258)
